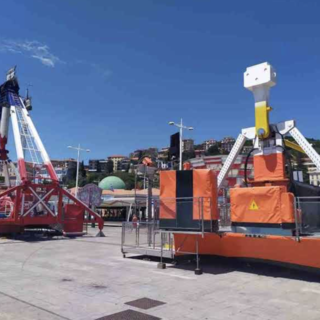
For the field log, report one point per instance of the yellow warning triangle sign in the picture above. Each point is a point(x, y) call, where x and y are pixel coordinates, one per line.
point(253, 206)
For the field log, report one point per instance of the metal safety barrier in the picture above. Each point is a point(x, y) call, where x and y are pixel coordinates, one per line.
point(145, 238)
point(186, 214)
point(307, 215)
point(224, 208)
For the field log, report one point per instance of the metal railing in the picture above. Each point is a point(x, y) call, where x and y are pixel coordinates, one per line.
point(224, 208)
point(307, 215)
point(185, 213)
point(148, 234)
point(189, 216)
point(145, 238)
point(224, 215)
point(136, 239)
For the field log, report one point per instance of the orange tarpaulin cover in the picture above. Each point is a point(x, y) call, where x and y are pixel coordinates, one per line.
point(205, 194)
point(261, 205)
point(287, 207)
point(168, 185)
point(269, 167)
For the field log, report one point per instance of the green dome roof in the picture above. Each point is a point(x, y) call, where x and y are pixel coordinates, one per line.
point(112, 182)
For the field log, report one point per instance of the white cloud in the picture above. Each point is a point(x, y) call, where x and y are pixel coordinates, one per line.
point(33, 49)
point(46, 61)
point(41, 52)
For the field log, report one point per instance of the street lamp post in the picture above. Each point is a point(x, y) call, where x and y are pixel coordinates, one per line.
point(181, 127)
point(78, 162)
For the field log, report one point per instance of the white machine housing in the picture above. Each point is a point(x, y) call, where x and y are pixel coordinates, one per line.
point(259, 79)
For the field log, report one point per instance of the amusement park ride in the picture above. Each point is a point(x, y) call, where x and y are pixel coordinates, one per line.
point(30, 200)
point(268, 212)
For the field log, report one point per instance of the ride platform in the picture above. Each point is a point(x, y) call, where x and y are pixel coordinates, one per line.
point(301, 252)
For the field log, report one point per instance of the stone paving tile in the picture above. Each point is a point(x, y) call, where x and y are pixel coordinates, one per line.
point(87, 278)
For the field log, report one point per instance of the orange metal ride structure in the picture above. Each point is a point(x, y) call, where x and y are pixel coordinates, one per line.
point(266, 220)
point(32, 200)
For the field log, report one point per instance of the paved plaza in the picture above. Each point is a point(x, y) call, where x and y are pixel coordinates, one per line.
point(87, 278)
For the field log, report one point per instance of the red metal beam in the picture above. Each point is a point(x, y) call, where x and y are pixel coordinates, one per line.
point(80, 203)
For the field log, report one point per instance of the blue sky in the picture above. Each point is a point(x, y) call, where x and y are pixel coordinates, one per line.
point(111, 74)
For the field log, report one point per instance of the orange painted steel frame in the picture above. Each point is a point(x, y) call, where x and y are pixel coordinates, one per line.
point(279, 249)
point(16, 222)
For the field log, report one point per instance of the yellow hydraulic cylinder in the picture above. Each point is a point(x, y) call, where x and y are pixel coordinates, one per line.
point(293, 146)
point(259, 79)
point(262, 119)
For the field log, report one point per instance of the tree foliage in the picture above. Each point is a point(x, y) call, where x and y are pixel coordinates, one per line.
point(213, 151)
point(198, 147)
point(126, 177)
point(186, 155)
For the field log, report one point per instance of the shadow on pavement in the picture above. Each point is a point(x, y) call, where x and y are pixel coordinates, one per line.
point(221, 265)
point(33, 237)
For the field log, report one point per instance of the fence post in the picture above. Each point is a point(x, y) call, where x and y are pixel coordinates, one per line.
point(123, 239)
point(211, 226)
point(197, 271)
point(161, 265)
point(296, 220)
point(202, 218)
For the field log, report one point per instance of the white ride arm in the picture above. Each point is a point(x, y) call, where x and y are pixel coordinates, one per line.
point(4, 123)
point(306, 146)
point(241, 140)
point(18, 143)
point(39, 144)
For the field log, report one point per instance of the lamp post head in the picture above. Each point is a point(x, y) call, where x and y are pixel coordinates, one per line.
point(171, 123)
point(190, 128)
